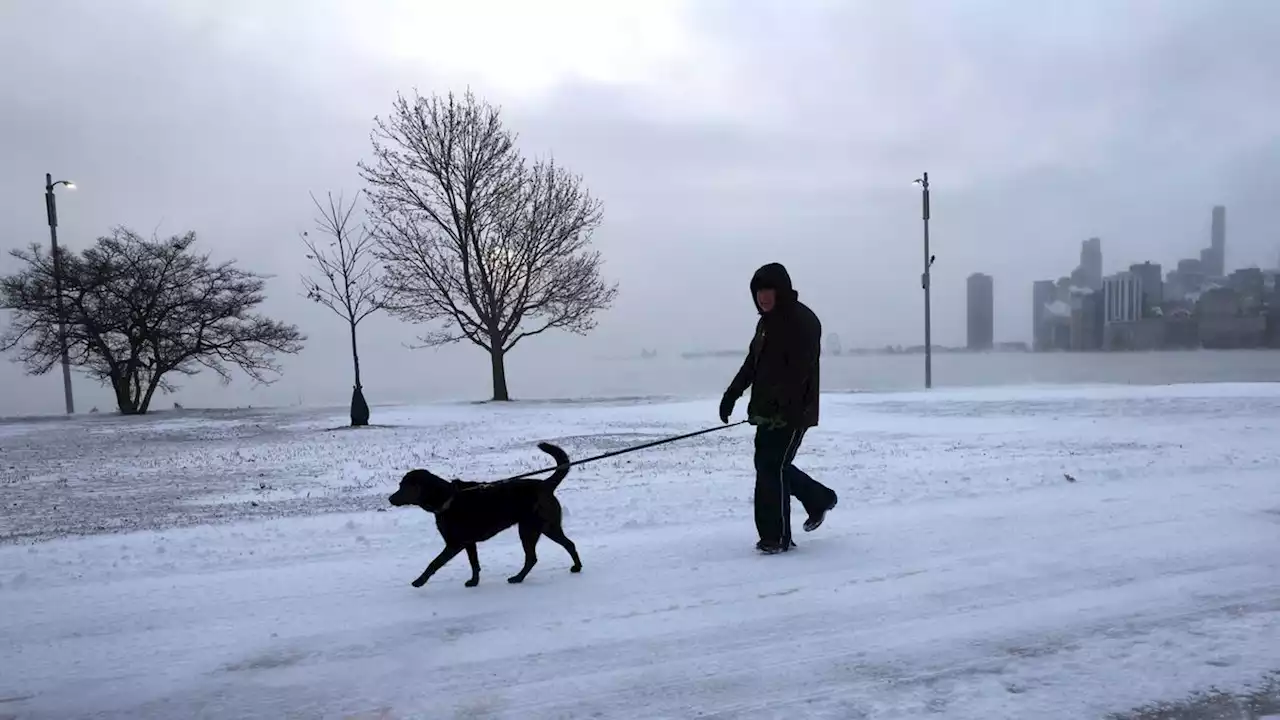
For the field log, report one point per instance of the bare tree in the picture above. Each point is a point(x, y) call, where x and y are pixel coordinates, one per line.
point(490, 248)
point(349, 284)
point(139, 311)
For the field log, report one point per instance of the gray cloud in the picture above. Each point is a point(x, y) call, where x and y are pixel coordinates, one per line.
point(1041, 124)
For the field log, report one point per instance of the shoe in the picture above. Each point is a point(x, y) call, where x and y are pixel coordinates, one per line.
point(773, 548)
point(815, 520)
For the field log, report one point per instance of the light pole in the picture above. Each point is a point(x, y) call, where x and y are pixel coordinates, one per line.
point(51, 207)
point(923, 182)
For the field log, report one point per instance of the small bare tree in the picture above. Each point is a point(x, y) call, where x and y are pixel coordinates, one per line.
point(475, 239)
point(346, 279)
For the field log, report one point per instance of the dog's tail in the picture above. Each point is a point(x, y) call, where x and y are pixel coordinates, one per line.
point(562, 464)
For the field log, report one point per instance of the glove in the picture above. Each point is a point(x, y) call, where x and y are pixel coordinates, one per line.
point(768, 423)
point(726, 407)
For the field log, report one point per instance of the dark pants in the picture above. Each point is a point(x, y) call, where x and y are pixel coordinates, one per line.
point(777, 480)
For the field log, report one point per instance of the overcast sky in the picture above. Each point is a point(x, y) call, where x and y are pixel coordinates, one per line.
point(720, 135)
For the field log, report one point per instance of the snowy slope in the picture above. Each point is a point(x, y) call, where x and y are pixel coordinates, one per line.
point(962, 576)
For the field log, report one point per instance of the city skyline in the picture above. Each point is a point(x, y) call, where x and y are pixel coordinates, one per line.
point(1077, 310)
point(1198, 303)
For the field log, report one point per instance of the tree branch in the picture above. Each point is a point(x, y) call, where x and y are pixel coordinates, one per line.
point(350, 281)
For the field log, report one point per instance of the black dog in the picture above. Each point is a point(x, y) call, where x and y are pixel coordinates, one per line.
point(468, 513)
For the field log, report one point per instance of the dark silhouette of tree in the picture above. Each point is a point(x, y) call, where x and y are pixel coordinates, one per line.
point(491, 248)
point(346, 280)
point(139, 311)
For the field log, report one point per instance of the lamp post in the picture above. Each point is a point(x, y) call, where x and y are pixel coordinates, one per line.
point(51, 207)
point(923, 182)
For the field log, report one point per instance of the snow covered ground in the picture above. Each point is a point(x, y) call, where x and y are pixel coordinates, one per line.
point(245, 565)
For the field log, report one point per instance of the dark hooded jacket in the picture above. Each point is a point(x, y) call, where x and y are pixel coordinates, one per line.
point(781, 367)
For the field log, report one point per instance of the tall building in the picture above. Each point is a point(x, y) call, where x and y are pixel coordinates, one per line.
point(1208, 263)
point(1043, 292)
point(1251, 285)
point(1218, 243)
point(1091, 263)
point(1151, 275)
point(1185, 281)
point(981, 311)
point(1087, 324)
point(1122, 298)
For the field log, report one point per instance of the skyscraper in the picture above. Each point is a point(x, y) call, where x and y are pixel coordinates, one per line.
point(1218, 243)
point(1152, 277)
point(1043, 292)
point(1091, 262)
point(981, 311)
point(1207, 262)
point(1122, 298)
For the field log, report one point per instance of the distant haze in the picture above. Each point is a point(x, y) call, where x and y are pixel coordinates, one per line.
point(720, 135)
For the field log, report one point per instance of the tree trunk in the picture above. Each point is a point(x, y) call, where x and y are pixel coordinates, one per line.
point(145, 404)
point(359, 407)
point(496, 357)
point(124, 395)
point(355, 357)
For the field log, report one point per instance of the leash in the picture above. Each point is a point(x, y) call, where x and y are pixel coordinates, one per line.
point(624, 451)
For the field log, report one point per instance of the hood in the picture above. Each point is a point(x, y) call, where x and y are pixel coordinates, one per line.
point(775, 276)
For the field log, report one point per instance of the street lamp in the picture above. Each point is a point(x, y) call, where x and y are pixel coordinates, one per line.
point(923, 182)
point(51, 207)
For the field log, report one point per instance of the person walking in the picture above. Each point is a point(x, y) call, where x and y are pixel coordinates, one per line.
point(781, 368)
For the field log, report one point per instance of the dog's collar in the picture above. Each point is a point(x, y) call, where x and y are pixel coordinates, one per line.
point(445, 505)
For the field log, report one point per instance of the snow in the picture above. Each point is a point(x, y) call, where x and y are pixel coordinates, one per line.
point(962, 575)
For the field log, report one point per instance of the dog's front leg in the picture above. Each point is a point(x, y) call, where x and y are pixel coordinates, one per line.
point(445, 556)
point(474, 558)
